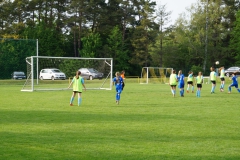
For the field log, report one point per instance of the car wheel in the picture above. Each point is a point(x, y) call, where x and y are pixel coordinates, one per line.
point(52, 77)
point(227, 74)
point(90, 78)
point(41, 78)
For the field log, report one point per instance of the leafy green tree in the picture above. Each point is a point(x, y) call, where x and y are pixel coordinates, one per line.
point(50, 42)
point(13, 53)
point(91, 45)
point(235, 40)
point(206, 33)
point(142, 36)
point(163, 17)
point(117, 50)
point(78, 17)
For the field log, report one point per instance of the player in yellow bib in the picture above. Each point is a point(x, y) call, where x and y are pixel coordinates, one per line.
point(173, 82)
point(190, 81)
point(78, 84)
point(199, 81)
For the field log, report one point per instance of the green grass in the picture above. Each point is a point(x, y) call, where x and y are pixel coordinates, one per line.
point(148, 124)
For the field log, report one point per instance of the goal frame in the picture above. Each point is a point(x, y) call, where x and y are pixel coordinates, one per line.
point(147, 74)
point(30, 75)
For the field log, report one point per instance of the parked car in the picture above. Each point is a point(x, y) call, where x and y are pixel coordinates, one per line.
point(51, 73)
point(91, 73)
point(18, 75)
point(229, 71)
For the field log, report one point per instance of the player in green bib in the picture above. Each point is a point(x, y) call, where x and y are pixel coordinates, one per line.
point(199, 81)
point(190, 81)
point(173, 82)
point(78, 84)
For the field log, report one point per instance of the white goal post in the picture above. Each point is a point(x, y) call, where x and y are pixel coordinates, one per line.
point(155, 75)
point(69, 66)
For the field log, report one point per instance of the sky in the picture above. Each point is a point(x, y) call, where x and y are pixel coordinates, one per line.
point(176, 7)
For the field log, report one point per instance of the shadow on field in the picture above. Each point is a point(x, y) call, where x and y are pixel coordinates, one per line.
point(59, 144)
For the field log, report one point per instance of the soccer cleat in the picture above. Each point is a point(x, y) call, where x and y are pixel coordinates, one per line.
point(187, 91)
point(71, 104)
point(229, 92)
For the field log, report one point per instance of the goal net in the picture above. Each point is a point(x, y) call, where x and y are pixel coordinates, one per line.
point(69, 66)
point(155, 75)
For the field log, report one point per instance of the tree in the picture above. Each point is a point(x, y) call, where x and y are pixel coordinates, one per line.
point(163, 18)
point(13, 53)
point(117, 50)
point(142, 36)
point(91, 45)
point(206, 33)
point(235, 40)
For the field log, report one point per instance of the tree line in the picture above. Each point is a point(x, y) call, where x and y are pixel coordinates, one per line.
point(135, 33)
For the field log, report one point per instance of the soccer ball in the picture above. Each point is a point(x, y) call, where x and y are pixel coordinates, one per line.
point(217, 62)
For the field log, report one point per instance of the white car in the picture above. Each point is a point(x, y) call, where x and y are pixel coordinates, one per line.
point(51, 73)
point(229, 71)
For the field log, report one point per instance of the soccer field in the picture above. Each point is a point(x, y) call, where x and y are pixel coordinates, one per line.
point(147, 124)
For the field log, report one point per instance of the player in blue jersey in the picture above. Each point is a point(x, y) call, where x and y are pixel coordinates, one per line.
point(181, 83)
point(213, 78)
point(118, 82)
point(78, 84)
point(234, 83)
point(199, 81)
point(190, 81)
point(222, 78)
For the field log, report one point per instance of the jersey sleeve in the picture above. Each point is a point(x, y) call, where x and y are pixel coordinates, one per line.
point(82, 80)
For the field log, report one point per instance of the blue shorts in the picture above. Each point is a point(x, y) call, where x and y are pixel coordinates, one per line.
point(181, 85)
point(234, 85)
point(119, 88)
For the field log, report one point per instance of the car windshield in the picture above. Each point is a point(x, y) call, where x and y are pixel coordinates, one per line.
point(233, 68)
point(19, 73)
point(56, 71)
point(92, 70)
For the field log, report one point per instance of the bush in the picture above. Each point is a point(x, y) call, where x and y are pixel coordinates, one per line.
point(196, 69)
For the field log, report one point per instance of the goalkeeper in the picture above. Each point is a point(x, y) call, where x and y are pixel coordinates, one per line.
point(78, 83)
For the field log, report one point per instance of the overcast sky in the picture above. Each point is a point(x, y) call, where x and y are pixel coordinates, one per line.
point(176, 7)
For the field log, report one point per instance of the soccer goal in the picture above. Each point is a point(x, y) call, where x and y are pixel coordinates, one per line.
point(155, 75)
point(69, 66)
